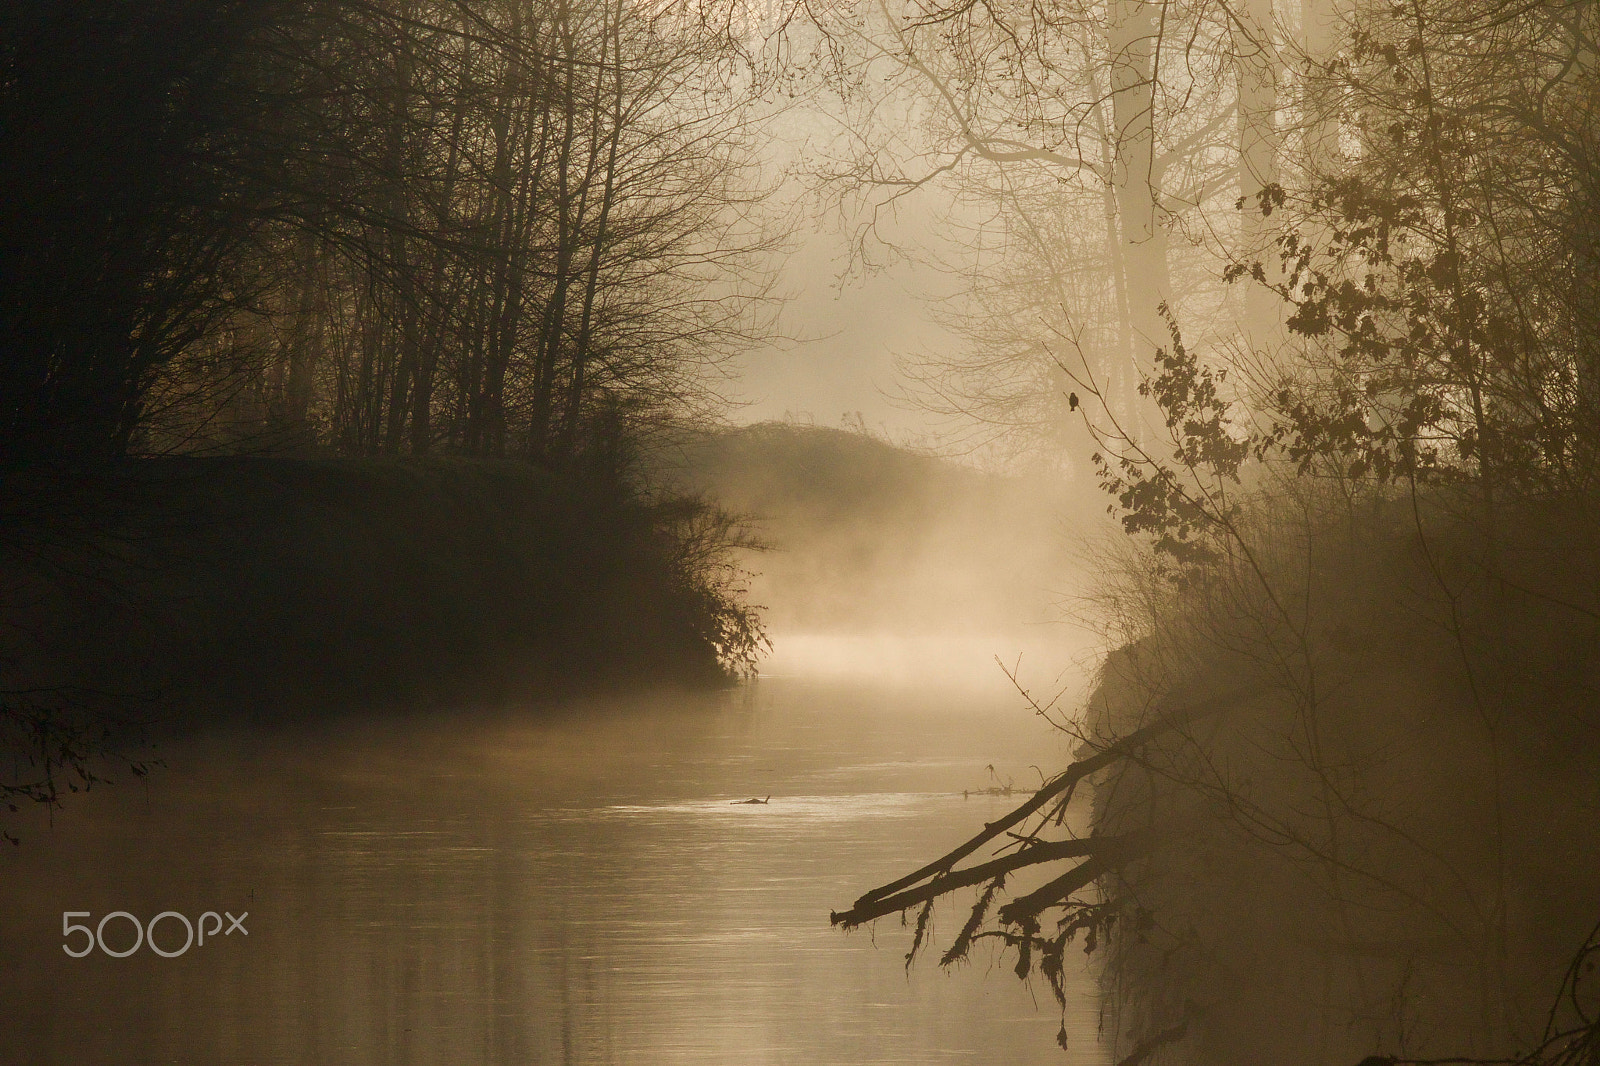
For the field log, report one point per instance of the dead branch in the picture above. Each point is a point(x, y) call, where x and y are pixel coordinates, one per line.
point(940, 874)
point(1091, 847)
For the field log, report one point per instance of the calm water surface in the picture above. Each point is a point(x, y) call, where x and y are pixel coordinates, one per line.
point(576, 887)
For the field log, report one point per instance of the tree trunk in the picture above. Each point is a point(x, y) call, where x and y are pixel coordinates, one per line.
point(1132, 30)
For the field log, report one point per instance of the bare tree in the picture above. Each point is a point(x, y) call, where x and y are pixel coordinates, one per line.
point(1112, 146)
point(509, 227)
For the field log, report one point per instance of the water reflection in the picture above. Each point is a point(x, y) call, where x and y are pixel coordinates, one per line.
point(495, 888)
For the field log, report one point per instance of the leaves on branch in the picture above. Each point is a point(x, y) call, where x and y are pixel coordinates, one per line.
point(1181, 501)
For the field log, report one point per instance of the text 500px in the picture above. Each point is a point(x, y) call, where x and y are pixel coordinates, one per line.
point(146, 933)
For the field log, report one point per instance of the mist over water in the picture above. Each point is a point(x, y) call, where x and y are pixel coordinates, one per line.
point(865, 538)
point(580, 889)
point(581, 883)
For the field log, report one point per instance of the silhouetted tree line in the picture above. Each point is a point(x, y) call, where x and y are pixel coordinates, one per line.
point(492, 229)
point(371, 227)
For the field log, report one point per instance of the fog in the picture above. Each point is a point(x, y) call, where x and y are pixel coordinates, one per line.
point(567, 510)
point(847, 328)
point(877, 560)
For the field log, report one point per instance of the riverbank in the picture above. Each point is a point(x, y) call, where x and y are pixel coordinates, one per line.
point(1383, 842)
point(262, 584)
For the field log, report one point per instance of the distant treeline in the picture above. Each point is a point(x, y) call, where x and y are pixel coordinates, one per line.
point(866, 536)
point(365, 227)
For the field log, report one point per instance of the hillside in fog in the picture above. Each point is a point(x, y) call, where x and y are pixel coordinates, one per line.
point(863, 535)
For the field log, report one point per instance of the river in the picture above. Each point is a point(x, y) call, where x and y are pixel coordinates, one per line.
point(569, 885)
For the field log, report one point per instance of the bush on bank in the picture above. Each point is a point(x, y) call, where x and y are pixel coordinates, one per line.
point(176, 588)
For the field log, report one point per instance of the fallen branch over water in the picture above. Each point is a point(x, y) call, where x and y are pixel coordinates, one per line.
point(866, 910)
point(1102, 854)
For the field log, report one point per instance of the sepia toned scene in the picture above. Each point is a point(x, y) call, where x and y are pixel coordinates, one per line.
point(839, 533)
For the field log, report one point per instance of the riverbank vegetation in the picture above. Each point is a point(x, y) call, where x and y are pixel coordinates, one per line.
point(1343, 755)
point(332, 333)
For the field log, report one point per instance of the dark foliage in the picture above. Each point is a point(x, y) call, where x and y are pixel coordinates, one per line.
point(122, 206)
